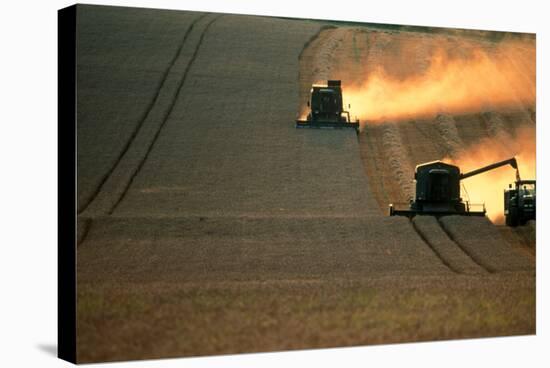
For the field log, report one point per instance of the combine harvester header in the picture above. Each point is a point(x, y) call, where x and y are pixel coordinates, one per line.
point(326, 108)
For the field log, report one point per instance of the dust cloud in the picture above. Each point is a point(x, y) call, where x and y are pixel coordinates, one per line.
point(473, 80)
point(489, 187)
point(396, 78)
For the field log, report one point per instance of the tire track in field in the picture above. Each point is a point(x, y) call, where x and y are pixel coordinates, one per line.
point(181, 84)
point(474, 258)
point(483, 241)
point(445, 247)
point(83, 226)
point(143, 119)
point(118, 183)
point(172, 104)
point(432, 246)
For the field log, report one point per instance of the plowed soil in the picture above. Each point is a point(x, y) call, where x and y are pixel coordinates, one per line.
point(209, 225)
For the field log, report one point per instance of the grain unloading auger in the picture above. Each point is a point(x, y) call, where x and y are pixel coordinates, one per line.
point(438, 190)
point(327, 109)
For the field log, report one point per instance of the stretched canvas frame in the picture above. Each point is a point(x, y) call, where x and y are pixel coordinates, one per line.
point(198, 205)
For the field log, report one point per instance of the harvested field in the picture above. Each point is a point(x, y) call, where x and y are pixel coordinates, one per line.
point(221, 249)
point(208, 224)
point(493, 252)
point(447, 249)
point(120, 69)
point(159, 320)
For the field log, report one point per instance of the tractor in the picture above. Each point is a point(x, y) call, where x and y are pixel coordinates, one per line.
point(520, 202)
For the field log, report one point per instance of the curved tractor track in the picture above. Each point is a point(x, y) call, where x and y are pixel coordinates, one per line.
point(114, 186)
point(130, 73)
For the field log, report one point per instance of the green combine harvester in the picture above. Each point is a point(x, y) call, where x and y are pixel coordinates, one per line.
point(327, 109)
point(438, 190)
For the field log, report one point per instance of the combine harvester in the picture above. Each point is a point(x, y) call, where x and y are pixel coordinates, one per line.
point(326, 109)
point(438, 190)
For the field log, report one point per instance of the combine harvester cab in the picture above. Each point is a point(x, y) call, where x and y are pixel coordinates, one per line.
point(438, 190)
point(326, 109)
point(520, 202)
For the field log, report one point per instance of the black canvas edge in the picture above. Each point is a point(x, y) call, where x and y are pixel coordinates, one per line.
point(66, 186)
